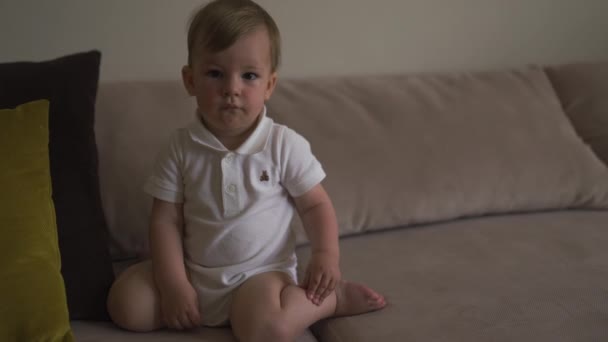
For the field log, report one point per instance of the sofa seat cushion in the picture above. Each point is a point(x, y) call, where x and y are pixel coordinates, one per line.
point(103, 331)
point(528, 277)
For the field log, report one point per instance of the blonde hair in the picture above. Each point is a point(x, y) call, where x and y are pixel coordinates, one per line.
point(219, 24)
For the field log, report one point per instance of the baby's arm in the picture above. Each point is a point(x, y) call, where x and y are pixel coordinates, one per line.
point(179, 302)
point(319, 220)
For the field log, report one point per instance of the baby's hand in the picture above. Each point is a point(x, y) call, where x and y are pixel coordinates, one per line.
point(179, 306)
point(322, 276)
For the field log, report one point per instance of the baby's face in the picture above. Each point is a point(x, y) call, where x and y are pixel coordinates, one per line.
point(232, 85)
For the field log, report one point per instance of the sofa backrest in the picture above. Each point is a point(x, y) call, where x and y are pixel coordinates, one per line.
point(133, 121)
point(398, 149)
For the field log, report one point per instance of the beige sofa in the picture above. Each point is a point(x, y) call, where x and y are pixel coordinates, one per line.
point(476, 202)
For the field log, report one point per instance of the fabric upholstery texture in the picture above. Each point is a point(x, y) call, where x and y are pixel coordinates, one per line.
point(134, 122)
point(104, 332)
point(583, 92)
point(520, 277)
point(70, 83)
point(410, 149)
point(32, 292)
point(397, 149)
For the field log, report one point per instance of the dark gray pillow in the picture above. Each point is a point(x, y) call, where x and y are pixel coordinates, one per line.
point(70, 84)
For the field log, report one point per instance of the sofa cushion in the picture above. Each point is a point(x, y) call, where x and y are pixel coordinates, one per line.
point(583, 91)
point(70, 83)
point(134, 121)
point(102, 332)
point(32, 292)
point(407, 149)
point(521, 277)
point(398, 150)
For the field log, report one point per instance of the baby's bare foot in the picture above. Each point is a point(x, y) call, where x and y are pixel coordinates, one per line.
point(354, 299)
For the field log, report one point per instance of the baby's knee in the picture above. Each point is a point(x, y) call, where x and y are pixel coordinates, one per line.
point(276, 330)
point(124, 313)
point(133, 304)
point(124, 316)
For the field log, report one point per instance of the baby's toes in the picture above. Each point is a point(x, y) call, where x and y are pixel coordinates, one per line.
point(376, 304)
point(370, 293)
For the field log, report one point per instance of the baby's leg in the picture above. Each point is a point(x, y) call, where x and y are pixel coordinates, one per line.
point(134, 301)
point(269, 307)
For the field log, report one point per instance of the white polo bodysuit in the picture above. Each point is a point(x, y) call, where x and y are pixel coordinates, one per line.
point(237, 208)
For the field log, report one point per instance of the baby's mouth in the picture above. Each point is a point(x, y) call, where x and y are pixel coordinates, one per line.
point(230, 107)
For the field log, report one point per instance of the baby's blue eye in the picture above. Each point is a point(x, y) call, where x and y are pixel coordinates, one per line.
point(250, 76)
point(214, 73)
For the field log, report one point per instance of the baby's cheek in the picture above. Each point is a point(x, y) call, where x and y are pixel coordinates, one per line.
point(210, 93)
point(256, 103)
point(206, 100)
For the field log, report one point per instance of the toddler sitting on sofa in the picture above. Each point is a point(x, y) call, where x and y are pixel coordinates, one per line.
point(225, 190)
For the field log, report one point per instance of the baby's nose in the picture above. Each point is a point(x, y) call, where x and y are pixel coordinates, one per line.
point(232, 87)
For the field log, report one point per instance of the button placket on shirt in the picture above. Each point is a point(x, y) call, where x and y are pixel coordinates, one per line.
point(230, 181)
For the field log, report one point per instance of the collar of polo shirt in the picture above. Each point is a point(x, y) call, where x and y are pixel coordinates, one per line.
point(254, 144)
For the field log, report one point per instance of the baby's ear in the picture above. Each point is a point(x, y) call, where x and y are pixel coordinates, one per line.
point(188, 79)
point(272, 82)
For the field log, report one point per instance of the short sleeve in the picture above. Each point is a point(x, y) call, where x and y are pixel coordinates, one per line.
point(301, 171)
point(166, 182)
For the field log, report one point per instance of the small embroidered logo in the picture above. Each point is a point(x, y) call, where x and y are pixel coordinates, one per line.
point(264, 177)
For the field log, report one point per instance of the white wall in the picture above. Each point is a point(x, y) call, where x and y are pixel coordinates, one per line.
point(145, 39)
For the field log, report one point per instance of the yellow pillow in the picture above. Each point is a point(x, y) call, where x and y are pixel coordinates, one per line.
point(32, 294)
